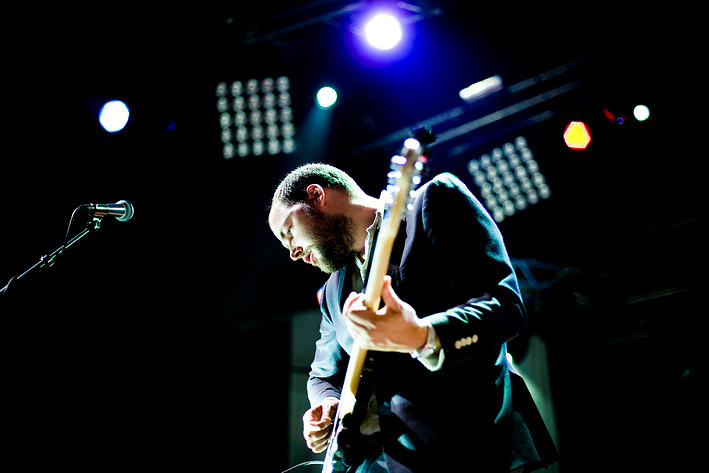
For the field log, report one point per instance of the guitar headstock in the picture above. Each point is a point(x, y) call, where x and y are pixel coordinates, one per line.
point(404, 176)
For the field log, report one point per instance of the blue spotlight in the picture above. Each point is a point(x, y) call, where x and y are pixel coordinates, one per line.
point(326, 97)
point(383, 31)
point(113, 116)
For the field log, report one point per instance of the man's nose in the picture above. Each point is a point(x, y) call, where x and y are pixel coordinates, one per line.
point(296, 253)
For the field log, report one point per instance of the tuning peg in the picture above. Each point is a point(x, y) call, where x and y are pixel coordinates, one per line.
point(412, 144)
point(394, 175)
point(397, 161)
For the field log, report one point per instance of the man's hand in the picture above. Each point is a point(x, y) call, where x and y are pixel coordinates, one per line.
point(395, 327)
point(317, 424)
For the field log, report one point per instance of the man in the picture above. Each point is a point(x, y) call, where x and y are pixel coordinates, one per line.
point(437, 392)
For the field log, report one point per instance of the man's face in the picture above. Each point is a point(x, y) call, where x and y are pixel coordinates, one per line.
point(320, 239)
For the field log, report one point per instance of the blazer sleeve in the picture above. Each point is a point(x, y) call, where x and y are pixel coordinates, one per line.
point(480, 275)
point(328, 369)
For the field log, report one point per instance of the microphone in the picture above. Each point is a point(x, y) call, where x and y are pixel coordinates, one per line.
point(122, 210)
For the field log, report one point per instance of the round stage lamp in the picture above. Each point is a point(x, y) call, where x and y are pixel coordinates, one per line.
point(641, 113)
point(113, 116)
point(383, 32)
point(326, 97)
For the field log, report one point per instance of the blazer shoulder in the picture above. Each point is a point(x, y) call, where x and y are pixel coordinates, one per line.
point(443, 182)
point(447, 189)
point(448, 179)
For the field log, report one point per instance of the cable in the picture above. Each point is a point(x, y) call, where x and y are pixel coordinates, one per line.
point(68, 229)
point(316, 462)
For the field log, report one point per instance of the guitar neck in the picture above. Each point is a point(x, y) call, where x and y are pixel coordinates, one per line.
point(373, 294)
point(349, 387)
point(404, 173)
point(378, 269)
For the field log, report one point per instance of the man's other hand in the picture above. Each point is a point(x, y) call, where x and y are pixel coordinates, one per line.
point(317, 424)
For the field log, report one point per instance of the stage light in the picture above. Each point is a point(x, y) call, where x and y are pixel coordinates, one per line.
point(481, 89)
point(577, 135)
point(113, 116)
point(255, 117)
point(326, 97)
point(641, 113)
point(509, 179)
point(383, 32)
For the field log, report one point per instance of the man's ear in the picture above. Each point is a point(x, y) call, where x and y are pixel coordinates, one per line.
point(316, 194)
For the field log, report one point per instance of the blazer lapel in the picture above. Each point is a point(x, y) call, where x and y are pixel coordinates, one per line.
point(334, 292)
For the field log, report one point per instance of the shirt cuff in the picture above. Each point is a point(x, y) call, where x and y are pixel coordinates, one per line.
point(435, 361)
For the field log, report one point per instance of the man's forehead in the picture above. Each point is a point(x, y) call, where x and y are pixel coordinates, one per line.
point(278, 217)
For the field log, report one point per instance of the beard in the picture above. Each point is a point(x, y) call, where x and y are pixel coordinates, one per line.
point(334, 239)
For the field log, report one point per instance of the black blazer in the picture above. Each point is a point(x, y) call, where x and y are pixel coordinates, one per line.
point(475, 413)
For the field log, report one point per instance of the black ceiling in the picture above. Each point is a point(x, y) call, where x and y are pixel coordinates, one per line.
point(204, 216)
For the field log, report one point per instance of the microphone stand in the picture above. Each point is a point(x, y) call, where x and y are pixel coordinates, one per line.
point(48, 260)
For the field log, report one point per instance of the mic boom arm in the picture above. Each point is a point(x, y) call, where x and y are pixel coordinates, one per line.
point(122, 210)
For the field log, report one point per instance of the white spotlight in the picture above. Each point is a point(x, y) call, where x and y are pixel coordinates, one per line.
point(113, 116)
point(326, 97)
point(383, 31)
point(641, 113)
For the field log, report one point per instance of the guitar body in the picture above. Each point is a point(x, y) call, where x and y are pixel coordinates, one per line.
point(402, 180)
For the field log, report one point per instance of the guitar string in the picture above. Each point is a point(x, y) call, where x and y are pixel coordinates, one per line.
point(308, 463)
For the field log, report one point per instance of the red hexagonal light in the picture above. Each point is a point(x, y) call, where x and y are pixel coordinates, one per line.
point(577, 135)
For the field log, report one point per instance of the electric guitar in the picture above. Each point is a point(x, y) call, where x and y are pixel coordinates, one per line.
point(403, 178)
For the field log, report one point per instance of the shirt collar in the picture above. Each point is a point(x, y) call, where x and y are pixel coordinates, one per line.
point(368, 244)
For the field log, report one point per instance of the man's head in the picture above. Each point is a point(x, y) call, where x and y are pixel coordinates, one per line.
point(308, 215)
point(292, 190)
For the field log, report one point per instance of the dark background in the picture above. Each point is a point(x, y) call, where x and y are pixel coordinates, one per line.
point(164, 340)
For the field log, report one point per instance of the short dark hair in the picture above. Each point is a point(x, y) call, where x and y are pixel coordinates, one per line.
point(292, 189)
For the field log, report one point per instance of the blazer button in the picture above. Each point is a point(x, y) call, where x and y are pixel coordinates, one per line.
point(464, 342)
